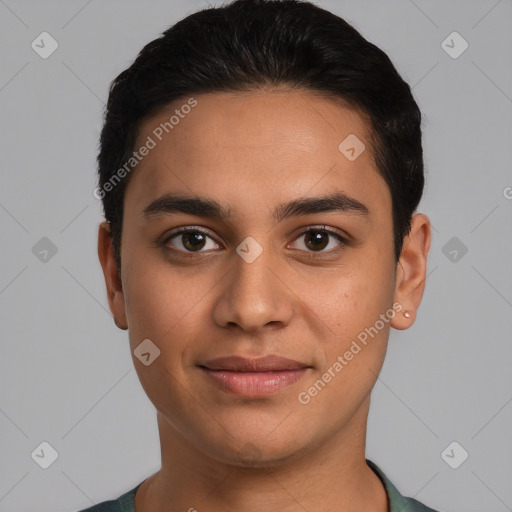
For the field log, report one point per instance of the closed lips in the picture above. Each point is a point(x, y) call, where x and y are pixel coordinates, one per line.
point(263, 364)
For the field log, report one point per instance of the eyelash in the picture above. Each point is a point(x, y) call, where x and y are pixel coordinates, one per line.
point(314, 254)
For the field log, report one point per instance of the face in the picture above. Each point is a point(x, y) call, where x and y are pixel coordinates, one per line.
point(250, 234)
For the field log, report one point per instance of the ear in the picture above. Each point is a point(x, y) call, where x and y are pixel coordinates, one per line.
point(411, 271)
point(112, 279)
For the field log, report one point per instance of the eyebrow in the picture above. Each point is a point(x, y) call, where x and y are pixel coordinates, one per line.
point(204, 207)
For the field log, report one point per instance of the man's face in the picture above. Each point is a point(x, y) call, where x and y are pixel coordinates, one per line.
point(203, 294)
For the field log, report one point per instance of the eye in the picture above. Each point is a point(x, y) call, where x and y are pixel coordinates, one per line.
point(191, 240)
point(320, 239)
point(314, 239)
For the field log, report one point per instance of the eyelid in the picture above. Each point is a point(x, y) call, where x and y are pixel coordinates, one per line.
point(344, 238)
point(324, 227)
point(188, 229)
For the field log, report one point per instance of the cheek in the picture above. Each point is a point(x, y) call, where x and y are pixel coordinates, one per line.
point(357, 294)
point(352, 357)
point(350, 302)
point(166, 304)
point(161, 307)
point(157, 303)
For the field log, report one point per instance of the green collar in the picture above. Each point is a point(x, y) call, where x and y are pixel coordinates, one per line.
point(396, 502)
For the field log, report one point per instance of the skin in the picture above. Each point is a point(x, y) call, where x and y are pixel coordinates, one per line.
point(251, 152)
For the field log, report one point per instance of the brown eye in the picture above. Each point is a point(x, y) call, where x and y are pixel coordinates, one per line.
point(318, 239)
point(191, 240)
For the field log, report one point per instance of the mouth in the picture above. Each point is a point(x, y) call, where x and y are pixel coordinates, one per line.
point(254, 377)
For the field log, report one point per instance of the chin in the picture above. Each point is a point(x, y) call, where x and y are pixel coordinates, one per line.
point(261, 453)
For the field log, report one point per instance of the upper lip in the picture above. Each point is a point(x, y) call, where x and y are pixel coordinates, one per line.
point(261, 364)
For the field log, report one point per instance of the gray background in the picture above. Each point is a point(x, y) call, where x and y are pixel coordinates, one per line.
point(67, 377)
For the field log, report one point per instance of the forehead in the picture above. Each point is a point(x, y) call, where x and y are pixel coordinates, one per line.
point(250, 147)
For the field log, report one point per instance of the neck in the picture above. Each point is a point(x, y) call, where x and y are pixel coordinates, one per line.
point(332, 475)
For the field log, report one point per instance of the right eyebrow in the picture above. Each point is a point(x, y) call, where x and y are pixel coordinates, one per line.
point(173, 203)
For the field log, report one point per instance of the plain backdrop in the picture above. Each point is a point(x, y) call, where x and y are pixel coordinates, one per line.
point(67, 377)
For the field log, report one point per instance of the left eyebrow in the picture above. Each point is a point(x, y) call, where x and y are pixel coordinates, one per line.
point(337, 202)
point(205, 207)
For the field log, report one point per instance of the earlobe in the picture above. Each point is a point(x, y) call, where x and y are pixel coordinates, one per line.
point(113, 281)
point(411, 271)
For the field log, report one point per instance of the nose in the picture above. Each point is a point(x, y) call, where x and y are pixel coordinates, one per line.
point(254, 295)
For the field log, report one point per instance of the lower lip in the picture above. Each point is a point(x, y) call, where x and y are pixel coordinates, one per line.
point(254, 384)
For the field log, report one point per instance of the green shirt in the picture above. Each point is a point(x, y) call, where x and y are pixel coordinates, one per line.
point(397, 502)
